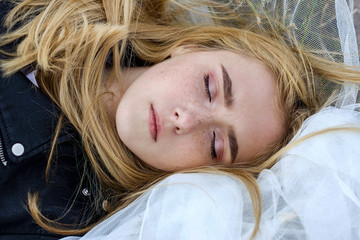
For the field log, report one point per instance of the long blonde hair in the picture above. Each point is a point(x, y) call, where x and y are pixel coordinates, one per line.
point(69, 42)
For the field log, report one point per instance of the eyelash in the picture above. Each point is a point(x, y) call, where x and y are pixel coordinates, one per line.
point(207, 89)
point(212, 147)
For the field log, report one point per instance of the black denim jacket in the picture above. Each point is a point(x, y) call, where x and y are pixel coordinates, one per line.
point(27, 123)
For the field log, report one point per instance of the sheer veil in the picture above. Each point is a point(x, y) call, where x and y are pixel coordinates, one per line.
point(313, 192)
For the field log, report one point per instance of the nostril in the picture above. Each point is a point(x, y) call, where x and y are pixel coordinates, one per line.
point(176, 115)
point(177, 129)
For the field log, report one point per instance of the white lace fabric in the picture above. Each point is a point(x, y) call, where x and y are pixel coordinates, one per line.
point(312, 192)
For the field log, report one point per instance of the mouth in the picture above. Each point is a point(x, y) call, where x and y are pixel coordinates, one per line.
point(153, 123)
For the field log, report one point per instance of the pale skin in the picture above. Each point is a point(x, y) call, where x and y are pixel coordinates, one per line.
point(178, 114)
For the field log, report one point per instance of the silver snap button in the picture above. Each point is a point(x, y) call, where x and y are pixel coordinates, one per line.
point(18, 149)
point(85, 192)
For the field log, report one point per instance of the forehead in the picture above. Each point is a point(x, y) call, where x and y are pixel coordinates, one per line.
point(256, 114)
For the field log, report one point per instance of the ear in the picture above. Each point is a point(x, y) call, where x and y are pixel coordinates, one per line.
point(182, 49)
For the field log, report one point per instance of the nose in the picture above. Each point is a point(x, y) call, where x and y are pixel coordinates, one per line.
point(187, 119)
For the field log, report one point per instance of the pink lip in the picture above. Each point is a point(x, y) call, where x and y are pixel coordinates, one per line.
point(154, 123)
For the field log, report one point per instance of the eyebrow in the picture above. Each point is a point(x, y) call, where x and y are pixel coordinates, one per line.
point(229, 99)
point(227, 87)
point(233, 144)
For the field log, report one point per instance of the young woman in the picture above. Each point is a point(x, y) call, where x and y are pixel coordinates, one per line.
point(223, 93)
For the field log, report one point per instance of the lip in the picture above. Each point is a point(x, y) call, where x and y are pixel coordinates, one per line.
point(154, 123)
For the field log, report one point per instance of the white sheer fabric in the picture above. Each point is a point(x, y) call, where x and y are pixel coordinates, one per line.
point(313, 192)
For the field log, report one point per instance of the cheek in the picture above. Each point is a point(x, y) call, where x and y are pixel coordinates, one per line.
point(179, 82)
point(180, 153)
point(192, 149)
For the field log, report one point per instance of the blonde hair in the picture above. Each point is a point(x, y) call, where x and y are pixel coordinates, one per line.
point(69, 42)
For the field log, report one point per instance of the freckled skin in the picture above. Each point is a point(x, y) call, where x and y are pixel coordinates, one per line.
point(188, 119)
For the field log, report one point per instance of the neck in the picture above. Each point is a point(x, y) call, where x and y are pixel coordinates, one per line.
point(117, 87)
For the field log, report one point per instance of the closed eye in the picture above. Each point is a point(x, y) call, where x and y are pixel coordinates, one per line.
point(212, 144)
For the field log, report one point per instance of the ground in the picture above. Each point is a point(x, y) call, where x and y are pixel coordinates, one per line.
point(357, 20)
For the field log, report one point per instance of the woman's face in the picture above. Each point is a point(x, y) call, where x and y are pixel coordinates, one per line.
point(200, 108)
